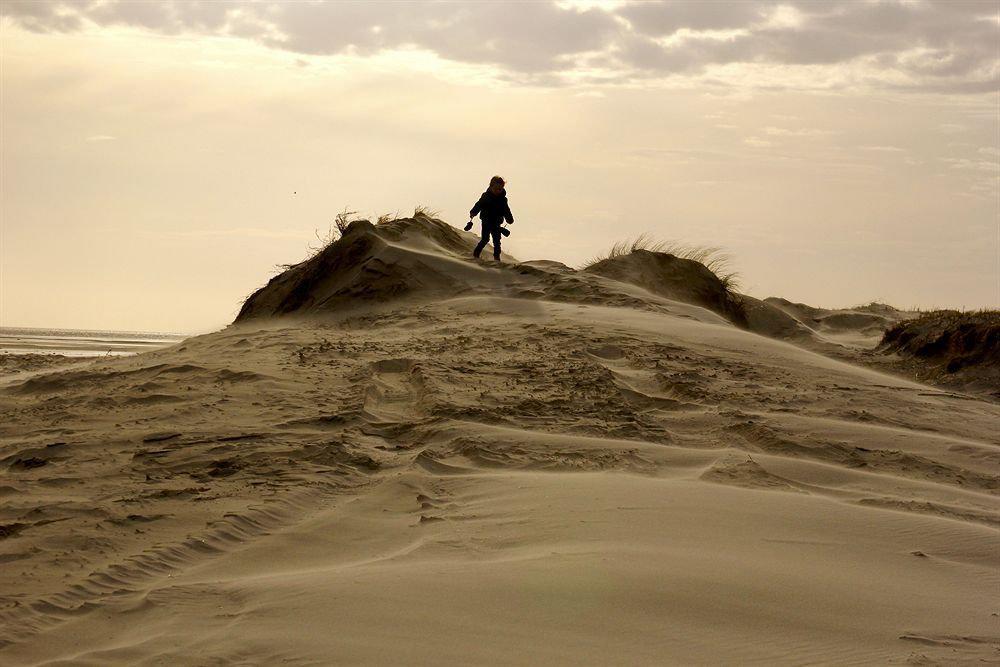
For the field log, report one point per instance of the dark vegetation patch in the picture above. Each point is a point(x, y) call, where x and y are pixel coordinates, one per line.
point(950, 348)
point(28, 463)
point(952, 339)
point(11, 529)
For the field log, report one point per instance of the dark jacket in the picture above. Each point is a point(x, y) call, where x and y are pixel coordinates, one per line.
point(492, 208)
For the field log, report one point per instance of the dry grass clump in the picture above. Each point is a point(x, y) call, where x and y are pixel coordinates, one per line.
point(426, 212)
point(339, 226)
point(878, 308)
point(950, 317)
point(340, 223)
point(953, 338)
point(730, 304)
point(713, 258)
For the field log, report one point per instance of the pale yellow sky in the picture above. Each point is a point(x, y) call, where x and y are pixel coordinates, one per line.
point(160, 159)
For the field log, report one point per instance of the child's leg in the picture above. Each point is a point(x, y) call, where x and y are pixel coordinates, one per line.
point(483, 241)
point(495, 233)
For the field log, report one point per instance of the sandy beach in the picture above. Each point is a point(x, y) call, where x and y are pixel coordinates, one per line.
point(501, 464)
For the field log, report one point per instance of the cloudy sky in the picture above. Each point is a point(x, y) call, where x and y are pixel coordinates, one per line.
point(159, 159)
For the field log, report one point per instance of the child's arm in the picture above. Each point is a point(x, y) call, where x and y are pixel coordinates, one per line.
point(476, 208)
point(508, 216)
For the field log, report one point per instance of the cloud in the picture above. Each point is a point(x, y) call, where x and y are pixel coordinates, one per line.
point(666, 18)
point(882, 149)
point(972, 165)
point(100, 137)
point(947, 46)
point(797, 132)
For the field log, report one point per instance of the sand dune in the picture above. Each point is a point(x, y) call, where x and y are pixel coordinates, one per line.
point(397, 455)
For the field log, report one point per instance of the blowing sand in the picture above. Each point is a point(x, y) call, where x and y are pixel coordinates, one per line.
point(495, 476)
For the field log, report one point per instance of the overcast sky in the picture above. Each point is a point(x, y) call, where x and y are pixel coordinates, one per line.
point(159, 159)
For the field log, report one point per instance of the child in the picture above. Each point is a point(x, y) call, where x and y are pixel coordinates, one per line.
point(493, 210)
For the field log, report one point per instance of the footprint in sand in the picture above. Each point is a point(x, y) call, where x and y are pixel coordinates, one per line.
point(643, 389)
point(394, 391)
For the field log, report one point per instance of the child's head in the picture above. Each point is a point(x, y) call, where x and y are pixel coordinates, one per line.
point(496, 185)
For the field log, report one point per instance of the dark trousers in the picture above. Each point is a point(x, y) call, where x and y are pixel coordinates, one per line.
point(491, 229)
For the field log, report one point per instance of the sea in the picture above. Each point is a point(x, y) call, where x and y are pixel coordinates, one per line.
point(82, 342)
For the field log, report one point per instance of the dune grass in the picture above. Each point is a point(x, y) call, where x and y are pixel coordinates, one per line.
point(426, 212)
point(957, 339)
point(711, 257)
point(919, 311)
point(340, 223)
point(875, 307)
point(949, 317)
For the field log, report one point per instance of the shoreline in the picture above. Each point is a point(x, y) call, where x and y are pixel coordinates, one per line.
point(81, 342)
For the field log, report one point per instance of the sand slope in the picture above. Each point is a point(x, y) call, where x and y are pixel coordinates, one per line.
point(495, 477)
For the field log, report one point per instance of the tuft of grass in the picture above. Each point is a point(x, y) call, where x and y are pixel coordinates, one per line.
point(882, 307)
point(337, 228)
point(386, 218)
point(622, 248)
point(712, 257)
point(877, 307)
point(950, 317)
point(426, 212)
point(341, 222)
